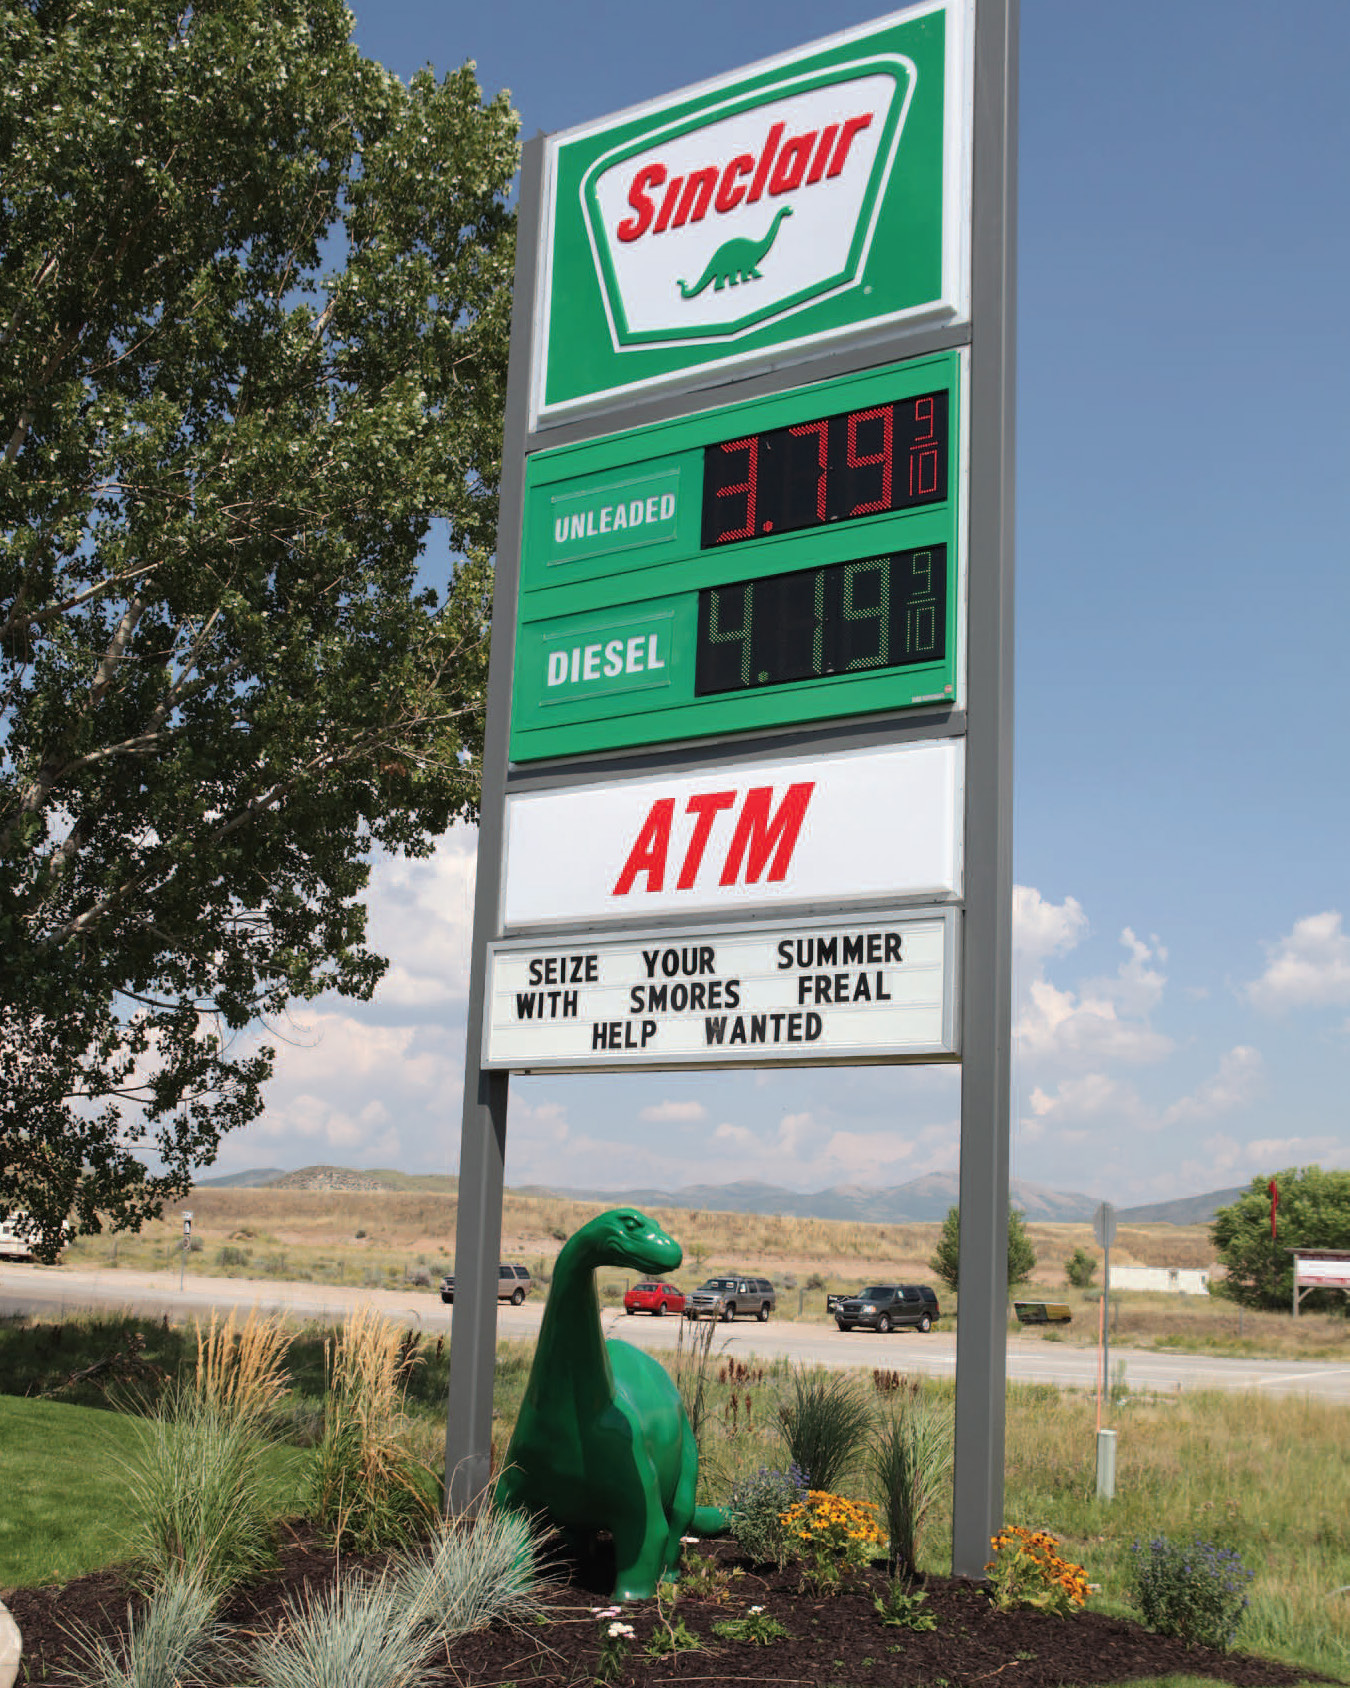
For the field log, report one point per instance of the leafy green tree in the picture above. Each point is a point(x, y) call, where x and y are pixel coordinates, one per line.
point(254, 308)
point(1313, 1212)
point(1079, 1267)
point(946, 1258)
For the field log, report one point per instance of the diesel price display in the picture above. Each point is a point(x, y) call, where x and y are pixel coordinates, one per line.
point(789, 559)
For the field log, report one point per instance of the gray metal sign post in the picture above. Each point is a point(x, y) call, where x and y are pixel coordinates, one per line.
point(981, 1335)
point(982, 726)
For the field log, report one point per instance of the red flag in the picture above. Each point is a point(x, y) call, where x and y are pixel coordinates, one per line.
point(1274, 1203)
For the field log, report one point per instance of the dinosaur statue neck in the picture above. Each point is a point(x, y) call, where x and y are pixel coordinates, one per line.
point(773, 227)
point(571, 1352)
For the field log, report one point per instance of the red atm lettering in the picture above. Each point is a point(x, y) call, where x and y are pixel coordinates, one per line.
point(763, 838)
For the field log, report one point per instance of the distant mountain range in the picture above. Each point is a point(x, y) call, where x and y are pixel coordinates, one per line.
point(921, 1200)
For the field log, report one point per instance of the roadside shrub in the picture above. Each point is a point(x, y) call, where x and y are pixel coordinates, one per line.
point(171, 1640)
point(1196, 1591)
point(755, 1513)
point(823, 1426)
point(354, 1635)
point(911, 1465)
point(369, 1491)
point(1027, 1571)
point(1079, 1267)
point(228, 1255)
point(197, 1497)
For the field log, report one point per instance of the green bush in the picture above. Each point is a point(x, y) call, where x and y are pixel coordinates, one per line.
point(823, 1426)
point(1196, 1591)
point(754, 1513)
point(1079, 1267)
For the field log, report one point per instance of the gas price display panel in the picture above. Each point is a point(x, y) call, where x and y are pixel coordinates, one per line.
point(792, 559)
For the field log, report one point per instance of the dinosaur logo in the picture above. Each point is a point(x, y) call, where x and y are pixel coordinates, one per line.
point(735, 260)
point(680, 217)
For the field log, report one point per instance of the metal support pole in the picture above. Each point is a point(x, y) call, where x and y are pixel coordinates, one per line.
point(482, 1153)
point(981, 1338)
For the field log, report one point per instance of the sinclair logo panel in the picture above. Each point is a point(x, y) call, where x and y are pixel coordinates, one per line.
point(804, 198)
point(869, 826)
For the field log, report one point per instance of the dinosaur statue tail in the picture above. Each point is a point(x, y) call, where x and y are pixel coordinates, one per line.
point(710, 1521)
point(687, 292)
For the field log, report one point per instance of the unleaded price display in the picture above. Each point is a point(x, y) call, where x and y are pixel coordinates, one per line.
point(864, 462)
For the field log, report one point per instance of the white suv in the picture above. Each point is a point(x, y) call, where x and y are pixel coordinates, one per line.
point(514, 1283)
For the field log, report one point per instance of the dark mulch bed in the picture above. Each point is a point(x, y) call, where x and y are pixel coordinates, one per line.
point(836, 1640)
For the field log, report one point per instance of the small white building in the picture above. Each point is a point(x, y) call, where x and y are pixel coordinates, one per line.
point(1171, 1280)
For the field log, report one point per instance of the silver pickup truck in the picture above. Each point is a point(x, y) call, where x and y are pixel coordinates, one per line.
point(724, 1298)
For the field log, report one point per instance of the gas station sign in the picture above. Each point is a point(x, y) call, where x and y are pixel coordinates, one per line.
point(747, 767)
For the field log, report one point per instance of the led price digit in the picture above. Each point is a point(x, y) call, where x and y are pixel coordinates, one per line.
point(874, 461)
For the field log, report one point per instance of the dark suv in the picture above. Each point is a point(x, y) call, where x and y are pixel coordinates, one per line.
point(884, 1307)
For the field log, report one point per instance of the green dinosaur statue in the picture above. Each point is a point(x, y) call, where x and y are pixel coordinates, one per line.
point(735, 261)
point(603, 1441)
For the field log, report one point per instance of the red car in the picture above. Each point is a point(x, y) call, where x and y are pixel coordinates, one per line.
point(654, 1298)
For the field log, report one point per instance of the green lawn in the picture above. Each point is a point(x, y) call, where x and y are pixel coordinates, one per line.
point(62, 1483)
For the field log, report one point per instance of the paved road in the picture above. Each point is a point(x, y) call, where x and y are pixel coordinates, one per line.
point(59, 1291)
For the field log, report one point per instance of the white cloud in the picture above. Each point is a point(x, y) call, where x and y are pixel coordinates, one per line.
point(1308, 968)
point(1042, 929)
point(1235, 1083)
point(673, 1113)
point(1107, 1019)
point(1100, 1105)
point(421, 916)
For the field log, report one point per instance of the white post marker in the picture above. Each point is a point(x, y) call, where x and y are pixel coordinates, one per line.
point(182, 1258)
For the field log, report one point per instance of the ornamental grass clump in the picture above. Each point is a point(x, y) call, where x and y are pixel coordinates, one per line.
point(824, 1426)
point(356, 1634)
point(755, 1509)
point(834, 1536)
point(173, 1639)
point(1195, 1591)
point(370, 1493)
point(197, 1496)
point(1027, 1571)
point(911, 1467)
point(486, 1570)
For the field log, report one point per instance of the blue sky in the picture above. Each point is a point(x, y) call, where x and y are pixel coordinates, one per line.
point(1183, 971)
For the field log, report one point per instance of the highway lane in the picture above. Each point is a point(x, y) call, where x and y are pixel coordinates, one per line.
point(61, 1291)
